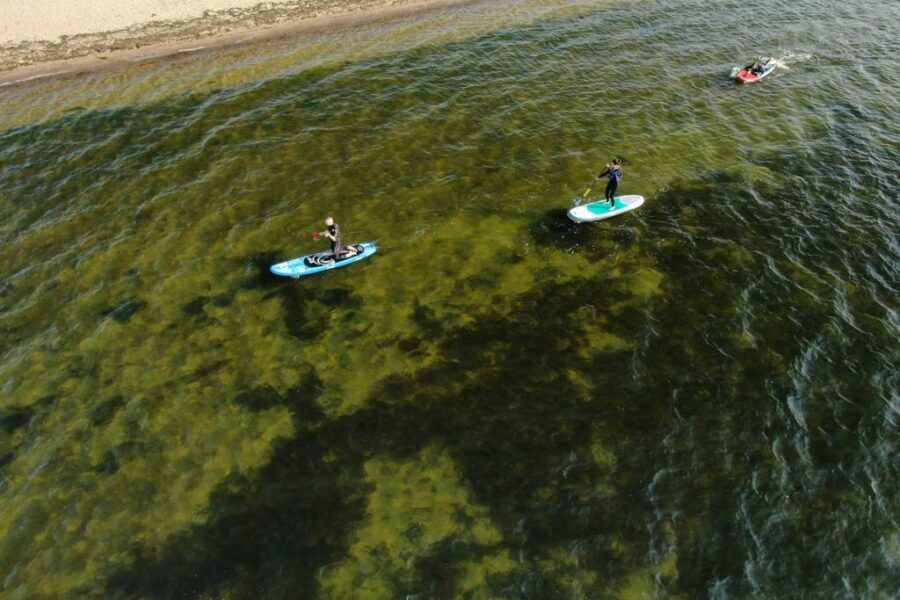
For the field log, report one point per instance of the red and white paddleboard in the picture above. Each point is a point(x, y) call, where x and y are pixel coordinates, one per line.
point(745, 75)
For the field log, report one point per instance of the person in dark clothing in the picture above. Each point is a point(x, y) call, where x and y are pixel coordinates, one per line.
point(333, 233)
point(614, 172)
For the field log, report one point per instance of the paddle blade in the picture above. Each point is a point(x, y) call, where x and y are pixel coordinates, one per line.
point(316, 235)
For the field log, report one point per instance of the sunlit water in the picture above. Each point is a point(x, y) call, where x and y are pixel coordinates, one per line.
point(698, 399)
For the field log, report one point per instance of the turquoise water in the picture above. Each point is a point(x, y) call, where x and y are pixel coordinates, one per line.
point(696, 399)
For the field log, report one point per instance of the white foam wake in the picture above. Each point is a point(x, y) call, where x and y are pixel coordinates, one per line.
point(791, 58)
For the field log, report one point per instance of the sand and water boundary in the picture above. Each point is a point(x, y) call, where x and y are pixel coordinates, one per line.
point(38, 41)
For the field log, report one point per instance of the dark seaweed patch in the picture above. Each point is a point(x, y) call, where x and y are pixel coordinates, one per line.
point(6, 459)
point(557, 230)
point(624, 236)
point(103, 412)
point(195, 306)
point(260, 398)
point(208, 369)
point(47, 401)
point(257, 274)
point(296, 511)
point(82, 365)
point(424, 317)
point(14, 418)
point(125, 310)
point(436, 573)
point(108, 465)
point(410, 344)
point(300, 399)
point(340, 297)
point(220, 300)
point(307, 310)
point(293, 310)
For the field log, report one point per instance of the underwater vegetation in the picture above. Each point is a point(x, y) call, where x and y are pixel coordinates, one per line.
point(694, 400)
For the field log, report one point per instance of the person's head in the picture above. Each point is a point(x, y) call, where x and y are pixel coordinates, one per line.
point(617, 162)
point(329, 221)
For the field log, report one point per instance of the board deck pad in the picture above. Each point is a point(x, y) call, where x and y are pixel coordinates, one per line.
point(602, 207)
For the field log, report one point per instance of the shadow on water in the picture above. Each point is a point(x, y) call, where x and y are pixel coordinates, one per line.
point(557, 230)
point(257, 273)
point(305, 308)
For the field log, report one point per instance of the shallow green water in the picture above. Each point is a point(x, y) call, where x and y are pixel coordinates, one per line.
point(698, 399)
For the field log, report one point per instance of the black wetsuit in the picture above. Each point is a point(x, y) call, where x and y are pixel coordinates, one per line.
point(615, 176)
point(335, 232)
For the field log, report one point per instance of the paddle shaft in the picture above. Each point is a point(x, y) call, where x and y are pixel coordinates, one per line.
point(587, 191)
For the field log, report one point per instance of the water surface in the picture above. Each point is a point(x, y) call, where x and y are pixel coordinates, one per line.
point(698, 399)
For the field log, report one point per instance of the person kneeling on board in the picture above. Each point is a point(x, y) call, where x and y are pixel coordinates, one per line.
point(614, 172)
point(333, 233)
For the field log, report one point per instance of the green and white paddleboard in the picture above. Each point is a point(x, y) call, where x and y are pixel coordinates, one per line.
point(597, 211)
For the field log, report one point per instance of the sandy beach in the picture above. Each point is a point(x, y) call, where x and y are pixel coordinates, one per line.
point(40, 38)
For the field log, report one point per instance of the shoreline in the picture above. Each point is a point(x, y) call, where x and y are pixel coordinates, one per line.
point(33, 61)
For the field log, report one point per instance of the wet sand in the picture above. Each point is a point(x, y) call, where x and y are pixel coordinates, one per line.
point(100, 34)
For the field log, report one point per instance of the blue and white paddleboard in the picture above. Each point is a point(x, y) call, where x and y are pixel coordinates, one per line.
point(322, 261)
point(597, 211)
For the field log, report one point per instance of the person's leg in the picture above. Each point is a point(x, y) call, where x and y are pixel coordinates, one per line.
point(611, 192)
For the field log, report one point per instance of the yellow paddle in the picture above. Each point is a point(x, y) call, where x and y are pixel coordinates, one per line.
point(586, 192)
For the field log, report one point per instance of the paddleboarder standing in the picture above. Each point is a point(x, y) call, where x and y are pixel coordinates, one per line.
point(614, 172)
